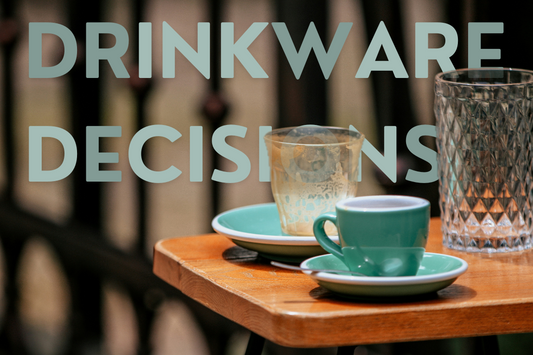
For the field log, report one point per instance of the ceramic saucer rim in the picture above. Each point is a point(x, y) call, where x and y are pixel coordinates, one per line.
point(384, 280)
point(260, 238)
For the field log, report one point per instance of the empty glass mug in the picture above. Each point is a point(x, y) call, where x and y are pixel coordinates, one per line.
point(484, 138)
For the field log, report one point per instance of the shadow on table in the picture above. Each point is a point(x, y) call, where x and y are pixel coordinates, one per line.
point(449, 293)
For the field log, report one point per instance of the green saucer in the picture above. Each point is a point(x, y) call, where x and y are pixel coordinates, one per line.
point(257, 228)
point(436, 272)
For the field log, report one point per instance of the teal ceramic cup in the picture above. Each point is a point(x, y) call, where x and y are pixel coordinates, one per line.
point(383, 235)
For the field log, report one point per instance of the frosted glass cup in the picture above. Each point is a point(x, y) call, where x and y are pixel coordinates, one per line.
point(311, 169)
point(484, 136)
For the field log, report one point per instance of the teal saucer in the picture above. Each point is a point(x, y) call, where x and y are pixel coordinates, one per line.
point(257, 228)
point(436, 272)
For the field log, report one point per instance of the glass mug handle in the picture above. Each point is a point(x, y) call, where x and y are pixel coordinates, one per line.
point(321, 236)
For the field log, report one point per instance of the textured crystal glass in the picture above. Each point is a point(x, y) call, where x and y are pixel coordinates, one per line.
point(311, 169)
point(484, 126)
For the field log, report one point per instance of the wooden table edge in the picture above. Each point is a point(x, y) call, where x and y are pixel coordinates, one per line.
point(258, 313)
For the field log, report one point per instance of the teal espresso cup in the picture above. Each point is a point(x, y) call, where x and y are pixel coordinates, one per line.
point(383, 235)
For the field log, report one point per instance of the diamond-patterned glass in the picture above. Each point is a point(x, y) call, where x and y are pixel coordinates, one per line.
point(484, 126)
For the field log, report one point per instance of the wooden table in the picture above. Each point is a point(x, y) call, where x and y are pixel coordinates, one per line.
point(495, 296)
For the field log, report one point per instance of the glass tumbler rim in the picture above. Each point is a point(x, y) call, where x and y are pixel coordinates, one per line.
point(355, 134)
point(441, 77)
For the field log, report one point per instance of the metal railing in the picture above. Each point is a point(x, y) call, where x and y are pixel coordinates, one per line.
point(86, 256)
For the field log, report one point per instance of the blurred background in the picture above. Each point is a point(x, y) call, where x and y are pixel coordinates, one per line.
point(75, 264)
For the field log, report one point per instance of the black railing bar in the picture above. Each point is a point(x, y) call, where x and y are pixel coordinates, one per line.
point(215, 107)
point(10, 31)
point(140, 88)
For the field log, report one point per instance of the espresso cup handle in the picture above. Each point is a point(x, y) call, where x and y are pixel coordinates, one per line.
point(321, 236)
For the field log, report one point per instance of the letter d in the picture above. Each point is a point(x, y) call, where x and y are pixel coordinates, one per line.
point(36, 172)
point(36, 69)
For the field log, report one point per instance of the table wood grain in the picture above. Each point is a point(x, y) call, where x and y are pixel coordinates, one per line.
point(495, 296)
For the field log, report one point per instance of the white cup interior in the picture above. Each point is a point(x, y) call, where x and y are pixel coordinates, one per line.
point(382, 203)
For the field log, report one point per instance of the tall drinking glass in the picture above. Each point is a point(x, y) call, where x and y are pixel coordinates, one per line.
point(311, 169)
point(484, 140)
